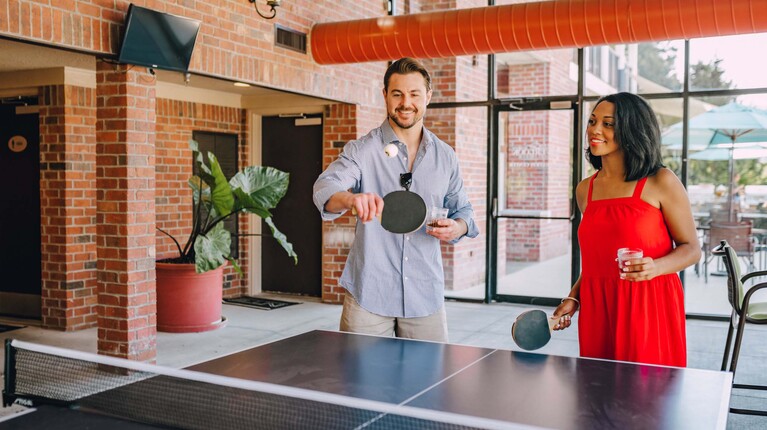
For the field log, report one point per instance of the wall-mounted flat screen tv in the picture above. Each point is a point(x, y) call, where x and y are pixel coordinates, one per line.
point(158, 40)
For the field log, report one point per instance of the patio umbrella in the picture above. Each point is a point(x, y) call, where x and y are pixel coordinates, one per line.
point(723, 128)
point(747, 151)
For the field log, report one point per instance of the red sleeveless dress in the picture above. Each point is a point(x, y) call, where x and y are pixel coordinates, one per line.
point(640, 321)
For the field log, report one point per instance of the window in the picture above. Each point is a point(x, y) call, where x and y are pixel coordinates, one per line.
point(224, 147)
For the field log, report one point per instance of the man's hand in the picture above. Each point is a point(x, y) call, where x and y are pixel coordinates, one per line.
point(365, 205)
point(449, 229)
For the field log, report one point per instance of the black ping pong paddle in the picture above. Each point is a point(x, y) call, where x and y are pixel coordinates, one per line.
point(532, 329)
point(404, 211)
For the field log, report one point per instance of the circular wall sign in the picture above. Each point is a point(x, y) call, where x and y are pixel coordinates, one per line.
point(17, 143)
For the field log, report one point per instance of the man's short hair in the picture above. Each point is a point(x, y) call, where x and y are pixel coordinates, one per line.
point(404, 66)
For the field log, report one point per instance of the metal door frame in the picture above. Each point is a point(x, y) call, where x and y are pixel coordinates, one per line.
point(572, 103)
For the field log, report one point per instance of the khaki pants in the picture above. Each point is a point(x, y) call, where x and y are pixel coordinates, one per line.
point(355, 319)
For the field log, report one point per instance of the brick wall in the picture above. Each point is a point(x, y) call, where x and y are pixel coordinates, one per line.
point(68, 206)
point(234, 42)
point(176, 120)
point(125, 233)
point(538, 145)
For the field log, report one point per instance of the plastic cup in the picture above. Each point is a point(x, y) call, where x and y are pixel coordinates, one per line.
point(435, 214)
point(625, 254)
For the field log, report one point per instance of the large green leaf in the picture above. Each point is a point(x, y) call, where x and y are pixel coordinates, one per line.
point(245, 203)
point(197, 157)
point(212, 249)
point(255, 189)
point(195, 183)
point(261, 188)
point(283, 241)
point(220, 190)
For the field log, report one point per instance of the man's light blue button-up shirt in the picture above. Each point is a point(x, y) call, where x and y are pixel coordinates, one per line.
point(396, 275)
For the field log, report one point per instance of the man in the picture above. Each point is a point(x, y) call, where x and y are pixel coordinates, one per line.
point(394, 282)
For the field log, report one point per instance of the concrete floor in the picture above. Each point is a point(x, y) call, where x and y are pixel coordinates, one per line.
point(469, 323)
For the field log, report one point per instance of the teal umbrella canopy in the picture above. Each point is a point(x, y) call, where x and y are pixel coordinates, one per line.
point(721, 130)
point(719, 127)
point(741, 151)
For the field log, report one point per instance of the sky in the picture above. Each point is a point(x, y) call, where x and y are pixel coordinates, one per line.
point(743, 61)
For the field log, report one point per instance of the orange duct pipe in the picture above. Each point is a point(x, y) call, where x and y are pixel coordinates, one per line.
point(528, 26)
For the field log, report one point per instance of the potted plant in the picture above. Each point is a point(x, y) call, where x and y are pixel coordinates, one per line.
point(189, 286)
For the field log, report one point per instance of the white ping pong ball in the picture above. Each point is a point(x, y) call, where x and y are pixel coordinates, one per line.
point(391, 150)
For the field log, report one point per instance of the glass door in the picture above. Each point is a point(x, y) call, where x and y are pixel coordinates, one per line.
point(533, 210)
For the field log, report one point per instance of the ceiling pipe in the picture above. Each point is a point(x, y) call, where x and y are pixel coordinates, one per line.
point(531, 26)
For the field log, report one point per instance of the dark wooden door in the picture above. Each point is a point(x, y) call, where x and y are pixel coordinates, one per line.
point(294, 146)
point(20, 273)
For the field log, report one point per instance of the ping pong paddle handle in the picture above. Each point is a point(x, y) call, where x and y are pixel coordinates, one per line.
point(553, 323)
point(354, 212)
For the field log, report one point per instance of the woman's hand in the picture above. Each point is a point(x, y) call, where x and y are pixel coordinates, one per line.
point(564, 313)
point(639, 269)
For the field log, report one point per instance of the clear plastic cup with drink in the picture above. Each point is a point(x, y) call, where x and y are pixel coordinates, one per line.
point(435, 214)
point(626, 254)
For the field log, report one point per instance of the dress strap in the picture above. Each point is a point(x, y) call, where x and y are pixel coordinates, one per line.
point(591, 186)
point(639, 187)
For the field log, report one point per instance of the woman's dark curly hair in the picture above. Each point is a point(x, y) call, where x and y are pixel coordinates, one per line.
point(637, 133)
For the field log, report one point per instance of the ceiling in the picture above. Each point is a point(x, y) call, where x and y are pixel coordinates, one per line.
point(16, 56)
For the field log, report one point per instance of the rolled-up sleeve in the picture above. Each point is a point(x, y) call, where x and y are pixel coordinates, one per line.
point(343, 174)
point(457, 201)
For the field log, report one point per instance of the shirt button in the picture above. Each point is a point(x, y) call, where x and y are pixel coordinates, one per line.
point(407, 237)
point(405, 258)
point(406, 278)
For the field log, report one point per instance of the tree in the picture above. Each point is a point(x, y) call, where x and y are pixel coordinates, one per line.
point(656, 63)
point(710, 76)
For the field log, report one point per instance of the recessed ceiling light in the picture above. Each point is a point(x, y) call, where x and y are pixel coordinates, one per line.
point(241, 84)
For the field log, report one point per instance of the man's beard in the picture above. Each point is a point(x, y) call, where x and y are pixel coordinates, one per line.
point(416, 119)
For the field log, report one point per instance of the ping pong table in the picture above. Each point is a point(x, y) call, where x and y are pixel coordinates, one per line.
point(498, 388)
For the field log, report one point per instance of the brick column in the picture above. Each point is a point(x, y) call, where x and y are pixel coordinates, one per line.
point(339, 128)
point(68, 206)
point(125, 216)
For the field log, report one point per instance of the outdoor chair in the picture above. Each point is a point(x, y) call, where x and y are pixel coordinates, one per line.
point(737, 234)
point(743, 311)
point(723, 215)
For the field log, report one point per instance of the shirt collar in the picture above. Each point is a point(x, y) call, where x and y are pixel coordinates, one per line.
point(388, 133)
point(389, 136)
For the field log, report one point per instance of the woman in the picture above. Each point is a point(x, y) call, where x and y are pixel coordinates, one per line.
point(635, 312)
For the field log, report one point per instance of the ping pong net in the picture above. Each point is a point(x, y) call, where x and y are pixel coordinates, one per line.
point(38, 374)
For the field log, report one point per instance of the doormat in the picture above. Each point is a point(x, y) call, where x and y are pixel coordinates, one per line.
point(4, 328)
point(259, 302)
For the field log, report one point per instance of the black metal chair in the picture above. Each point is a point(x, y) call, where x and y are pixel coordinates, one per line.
point(743, 311)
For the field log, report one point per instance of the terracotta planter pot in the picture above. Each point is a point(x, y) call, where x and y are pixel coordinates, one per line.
point(187, 301)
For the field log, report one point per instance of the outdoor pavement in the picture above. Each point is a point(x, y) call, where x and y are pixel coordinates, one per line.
point(486, 325)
